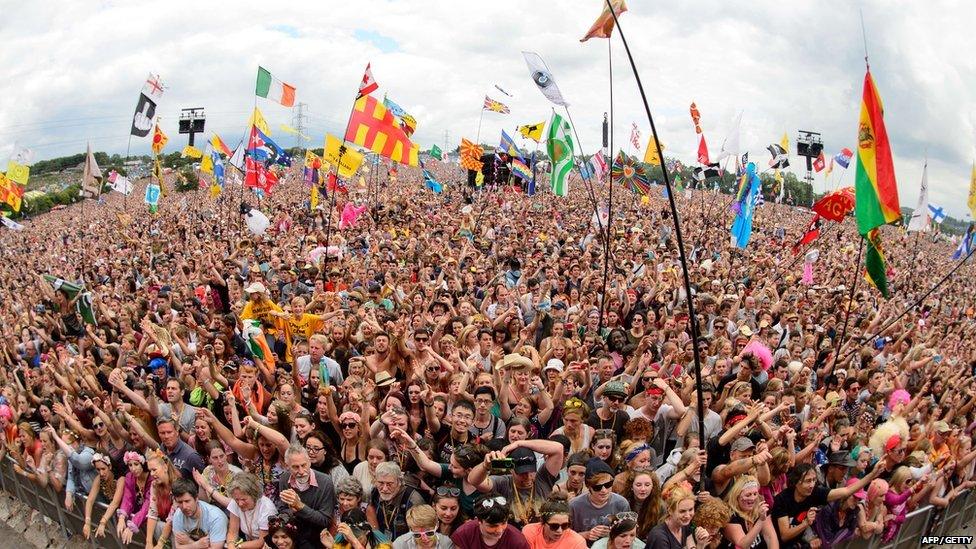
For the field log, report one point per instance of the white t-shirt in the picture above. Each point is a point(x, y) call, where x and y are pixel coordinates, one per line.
point(255, 520)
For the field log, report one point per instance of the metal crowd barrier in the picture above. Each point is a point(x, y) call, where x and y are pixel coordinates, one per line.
point(51, 504)
point(919, 522)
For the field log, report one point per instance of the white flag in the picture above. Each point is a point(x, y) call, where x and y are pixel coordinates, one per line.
point(543, 78)
point(11, 224)
point(730, 147)
point(23, 156)
point(91, 177)
point(120, 183)
point(920, 217)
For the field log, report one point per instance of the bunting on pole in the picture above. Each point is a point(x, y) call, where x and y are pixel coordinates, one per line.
point(603, 26)
point(695, 117)
point(703, 152)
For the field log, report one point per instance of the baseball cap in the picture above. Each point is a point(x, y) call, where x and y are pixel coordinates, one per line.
point(742, 444)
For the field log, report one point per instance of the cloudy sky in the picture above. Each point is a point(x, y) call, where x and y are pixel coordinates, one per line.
point(73, 71)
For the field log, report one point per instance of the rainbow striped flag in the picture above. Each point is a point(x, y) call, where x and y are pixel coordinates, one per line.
point(875, 190)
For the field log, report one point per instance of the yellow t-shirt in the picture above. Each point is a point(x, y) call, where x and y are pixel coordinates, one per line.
point(305, 325)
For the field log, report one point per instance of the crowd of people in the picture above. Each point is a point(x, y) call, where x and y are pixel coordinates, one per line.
point(454, 369)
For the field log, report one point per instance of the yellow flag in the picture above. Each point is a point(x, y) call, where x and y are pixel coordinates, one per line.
point(362, 182)
point(314, 200)
point(785, 143)
point(288, 129)
point(257, 119)
point(206, 165)
point(214, 191)
point(532, 131)
point(650, 155)
point(351, 158)
point(190, 151)
point(17, 172)
point(479, 178)
point(972, 192)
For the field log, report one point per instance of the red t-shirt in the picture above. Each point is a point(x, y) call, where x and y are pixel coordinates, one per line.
point(468, 536)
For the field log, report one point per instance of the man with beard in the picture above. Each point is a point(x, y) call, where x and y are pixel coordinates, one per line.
point(308, 495)
point(389, 501)
point(610, 415)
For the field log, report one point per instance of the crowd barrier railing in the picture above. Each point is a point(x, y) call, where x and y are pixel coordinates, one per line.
point(51, 504)
point(922, 522)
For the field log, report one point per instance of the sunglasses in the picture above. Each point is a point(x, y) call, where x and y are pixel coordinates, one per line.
point(447, 491)
point(601, 487)
point(424, 534)
point(98, 425)
point(349, 425)
point(614, 398)
point(558, 526)
point(421, 339)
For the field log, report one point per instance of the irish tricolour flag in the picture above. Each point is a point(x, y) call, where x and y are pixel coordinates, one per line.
point(271, 88)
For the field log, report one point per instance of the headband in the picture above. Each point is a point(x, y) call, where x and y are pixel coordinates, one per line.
point(750, 484)
point(103, 458)
point(636, 451)
point(129, 457)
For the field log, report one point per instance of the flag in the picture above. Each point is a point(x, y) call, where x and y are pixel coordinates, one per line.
point(206, 163)
point(599, 163)
point(190, 151)
point(920, 215)
point(875, 189)
point(818, 164)
point(432, 183)
point(635, 136)
point(830, 167)
point(629, 173)
point(785, 143)
point(237, 159)
point(11, 224)
point(650, 155)
point(142, 120)
point(844, 157)
point(374, 127)
point(91, 176)
point(312, 160)
point(407, 122)
point(730, 147)
point(499, 88)
point(750, 190)
point(23, 155)
point(479, 178)
point(521, 170)
point(543, 79)
point(811, 234)
point(350, 159)
point(874, 262)
point(966, 245)
point(152, 194)
point(153, 87)
point(779, 159)
point(937, 213)
point(257, 176)
point(10, 193)
point(532, 131)
point(702, 151)
point(120, 183)
point(471, 155)
point(218, 173)
point(695, 117)
point(436, 152)
point(71, 290)
point(972, 192)
point(271, 88)
point(17, 173)
point(495, 106)
point(603, 26)
point(290, 130)
point(257, 119)
point(218, 144)
point(507, 145)
point(263, 149)
point(159, 140)
point(367, 85)
point(157, 173)
point(560, 149)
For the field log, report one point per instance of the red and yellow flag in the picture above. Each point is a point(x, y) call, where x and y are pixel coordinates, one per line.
point(159, 140)
point(875, 190)
point(373, 126)
point(470, 155)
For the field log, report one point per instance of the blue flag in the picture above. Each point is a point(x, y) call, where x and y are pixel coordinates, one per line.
point(218, 168)
point(742, 226)
point(432, 183)
point(263, 149)
point(966, 244)
point(531, 189)
point(506, 145)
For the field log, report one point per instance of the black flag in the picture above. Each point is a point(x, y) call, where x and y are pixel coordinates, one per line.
point(142, 120)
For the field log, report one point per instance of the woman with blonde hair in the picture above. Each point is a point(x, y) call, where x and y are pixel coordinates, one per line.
point(575, 412)
point(676, 530)
point(750, 524)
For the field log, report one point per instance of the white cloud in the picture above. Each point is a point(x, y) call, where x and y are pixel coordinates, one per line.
point(73, 71)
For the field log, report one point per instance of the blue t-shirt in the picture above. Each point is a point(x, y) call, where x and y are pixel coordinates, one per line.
point(211, 523)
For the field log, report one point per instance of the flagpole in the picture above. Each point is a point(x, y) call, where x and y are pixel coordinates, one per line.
point(477, 139)
point(917, 302)
point(692, 318)
point(125, 197)
point(607, 139)
point(586, 180)
point(850, 299)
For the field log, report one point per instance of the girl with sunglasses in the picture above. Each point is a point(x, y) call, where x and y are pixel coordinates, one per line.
point(554, 531)
point(424, 533)
point(447, 506)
